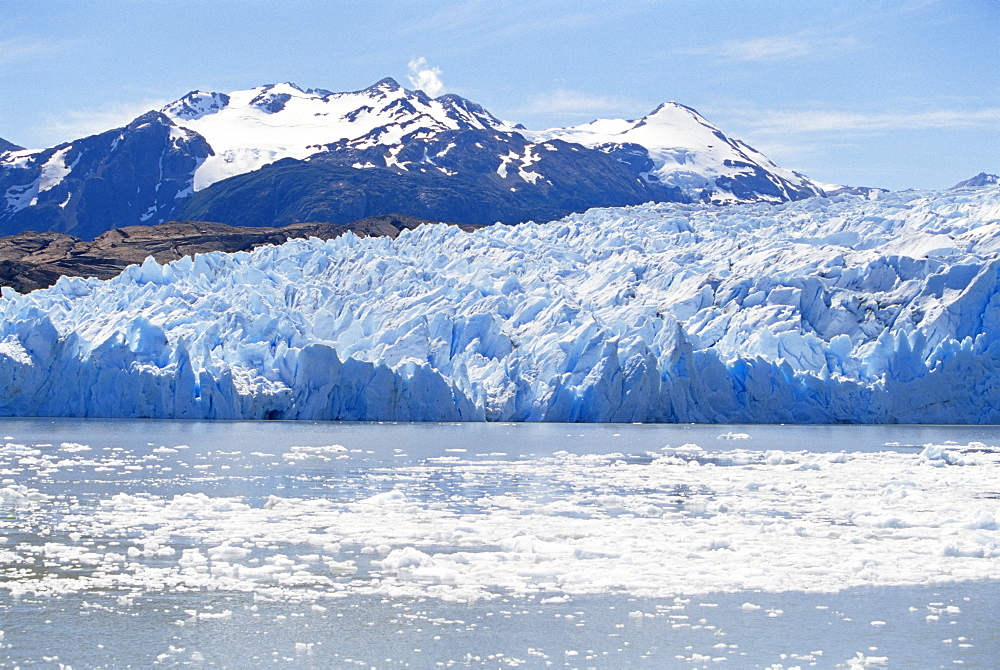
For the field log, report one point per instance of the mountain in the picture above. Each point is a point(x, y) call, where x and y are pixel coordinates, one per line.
point(6, 146)
point(675, 146)
point(877, 309)
point(980, 180)
point(120, 177)
point(279, 154)
point(250, 129)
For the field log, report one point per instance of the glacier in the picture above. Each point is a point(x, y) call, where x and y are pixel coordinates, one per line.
point(874, 309)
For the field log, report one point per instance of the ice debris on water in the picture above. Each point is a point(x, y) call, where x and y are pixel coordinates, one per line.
point(20, 494)
point(862, 662)
point(823, 310)
point(939, 455)
point(681, 520)
point(321, 453)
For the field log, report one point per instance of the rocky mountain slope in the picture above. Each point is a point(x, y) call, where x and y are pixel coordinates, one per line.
point(280, 154)
point(6, 146)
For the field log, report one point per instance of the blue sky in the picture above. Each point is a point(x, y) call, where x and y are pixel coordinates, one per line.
point(897, 94)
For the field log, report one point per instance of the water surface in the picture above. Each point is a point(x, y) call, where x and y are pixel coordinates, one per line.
point(250, 544)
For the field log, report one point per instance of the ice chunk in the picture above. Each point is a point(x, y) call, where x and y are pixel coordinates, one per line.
point(407, 557)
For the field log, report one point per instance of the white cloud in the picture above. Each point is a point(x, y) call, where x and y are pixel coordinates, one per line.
point(775, 48)
point(76, 123)
point(24, 49)
point(766, 48)
point(575, 103)
point(424, 77)
point(817, 121)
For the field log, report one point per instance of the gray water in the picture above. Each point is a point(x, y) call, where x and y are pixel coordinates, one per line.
point(91, 580)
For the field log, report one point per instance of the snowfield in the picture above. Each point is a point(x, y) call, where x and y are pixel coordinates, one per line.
point(842, 309)
point(252, 128)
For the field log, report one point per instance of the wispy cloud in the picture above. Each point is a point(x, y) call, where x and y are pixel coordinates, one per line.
point(823, 121)
point(74, 124)
point(477, 19)
point(424, 77)
point(774, 48)
point(575, 103)
point(449, 19)
point(26, 49)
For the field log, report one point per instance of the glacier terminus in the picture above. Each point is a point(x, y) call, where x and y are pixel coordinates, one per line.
point(876, 308)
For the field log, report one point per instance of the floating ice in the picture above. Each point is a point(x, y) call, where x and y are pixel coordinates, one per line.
point(20, 495)
point(322, 453)
point(570, 525)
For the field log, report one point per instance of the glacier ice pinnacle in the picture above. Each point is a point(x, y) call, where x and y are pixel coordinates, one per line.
point(844, 309)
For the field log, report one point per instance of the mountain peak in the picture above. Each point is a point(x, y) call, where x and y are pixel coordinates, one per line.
point(673, 114)
point(196, 104)
point(150, 117)
point(386, 84)
point(980, 180)
point(670, 105)
point(689, 153)
point(282, 87)
point(6, 146)
point(468, 108)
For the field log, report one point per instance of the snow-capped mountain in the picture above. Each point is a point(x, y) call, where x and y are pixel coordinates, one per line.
point(86, 187)
point(980, 180)
point(279, 154)
point(676, 146)
point(250, 129)
point(843, 309)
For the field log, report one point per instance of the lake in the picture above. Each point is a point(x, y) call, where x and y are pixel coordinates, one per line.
point(253, 544)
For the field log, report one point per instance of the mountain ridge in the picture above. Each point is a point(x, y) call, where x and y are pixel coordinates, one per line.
point(978, 181)
point(436, 150)
point(6, 145)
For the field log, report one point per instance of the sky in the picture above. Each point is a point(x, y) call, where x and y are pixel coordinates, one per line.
point(894, 94)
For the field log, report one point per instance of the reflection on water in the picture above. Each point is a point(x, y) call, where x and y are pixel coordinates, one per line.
point(385, 545)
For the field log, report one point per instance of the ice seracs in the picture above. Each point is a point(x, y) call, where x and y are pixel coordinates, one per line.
point(844, 309)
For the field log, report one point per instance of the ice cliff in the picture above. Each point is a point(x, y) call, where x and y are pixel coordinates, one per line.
point(843, 309)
